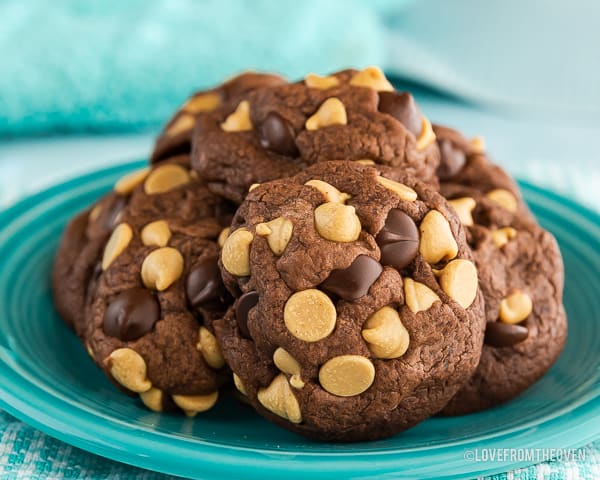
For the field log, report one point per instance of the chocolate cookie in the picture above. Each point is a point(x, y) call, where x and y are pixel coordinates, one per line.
point(358, 313)
point(521, 277)
point(273, 132)
point(175, 138)
point(153, 287)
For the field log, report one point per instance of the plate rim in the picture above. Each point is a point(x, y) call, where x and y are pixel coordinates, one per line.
point(71, 430)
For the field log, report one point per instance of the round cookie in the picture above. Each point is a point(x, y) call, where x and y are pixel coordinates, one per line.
point(154, 287)
point(521, 277)
point(358, 313)
point(176, 136)
point(275, 131)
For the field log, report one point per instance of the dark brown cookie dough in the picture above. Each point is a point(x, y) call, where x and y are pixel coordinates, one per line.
point(152, 286)
point(358, 313)
point(275, 131)
point(521, 277)
point(175, 138)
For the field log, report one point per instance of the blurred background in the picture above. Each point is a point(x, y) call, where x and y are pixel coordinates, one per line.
point(88, 84)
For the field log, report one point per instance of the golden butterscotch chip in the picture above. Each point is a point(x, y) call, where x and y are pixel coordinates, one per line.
point(129, 369)
point(404, 193)
point(182, 124)
point(153, 399)
point(315, 81)
point(437, 241)
point(309, 315)
point(504, 198)
point(516, 307)
point(165, 178)
point(372, 77)
point(501, 236)
point(161, 268)
point(330, 193)
point(223, 236)
point(427, 135)
point(279, 399)
point(385, 334)
point(209, 348)
point(331, 112)
point(118, 241)
point(459, 280)
point(418, 296)
point(238, 121)
point(464, 207)
point(237, 381)
point(278, 233)
point(347, 375)
point(477, 144)
point(337, 222)
point(156, 234)
point(94, 213)
point(205, 102)
point(127, 184)
point(236, 252)
point(192, 404)
point(288, 364)
point(365, 161)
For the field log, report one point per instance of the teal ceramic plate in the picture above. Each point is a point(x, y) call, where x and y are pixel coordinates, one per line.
point(48, 381)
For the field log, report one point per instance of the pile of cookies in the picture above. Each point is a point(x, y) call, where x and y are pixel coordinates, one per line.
point(349, 267)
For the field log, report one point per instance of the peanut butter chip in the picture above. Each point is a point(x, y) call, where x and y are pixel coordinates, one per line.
point(129, 369)
point(223, 236)
point(279, 399)
point(503, 198)
point(478, 144)
point(330, 193)
point(118, 241)
point(208, 346)
point(288, 364)
point(182, 124)
point(94, 213)
point(153, 399)
point(253, 186)
point(372, 77)
point(205, 102)
point(237, 381)
point(165, 178)
point(501, 236)
point(161, 268)
point(459, 280)
point(464, 207)
point(347, 375)
point(427, 135)
point(322, 83)
point(405, 193)
point(437, 241)
point(278, 233)
point(127, 184)
point(365, 161)
point(516, 307)
point(309, 315)
point(156, 234)
point(236, 252)
point(192, 404)
point(331, 112)
point(418, 296)
point(337, 222)
point(385, 334)
point(238, 121)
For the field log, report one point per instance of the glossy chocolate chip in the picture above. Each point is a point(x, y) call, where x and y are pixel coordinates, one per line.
point(242, 307)
point(131, 314)
point(452, 161)
point(499, 334)
point(114, 214)
point(353, 282)
point(403, 108)
point(277, 135)
point(204, 287)
point(398, 239)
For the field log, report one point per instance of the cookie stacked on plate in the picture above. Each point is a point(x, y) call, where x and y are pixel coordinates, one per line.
point(349, 267)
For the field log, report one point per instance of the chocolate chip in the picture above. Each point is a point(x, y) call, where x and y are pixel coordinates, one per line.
point(277, 135)
point(398, 239)
point(114, 214)
point(353, 282)
point(242, 307)
point(204, 287)
point(452, 161)
point(499, 334)
point(403, 108)
point(131, 314)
